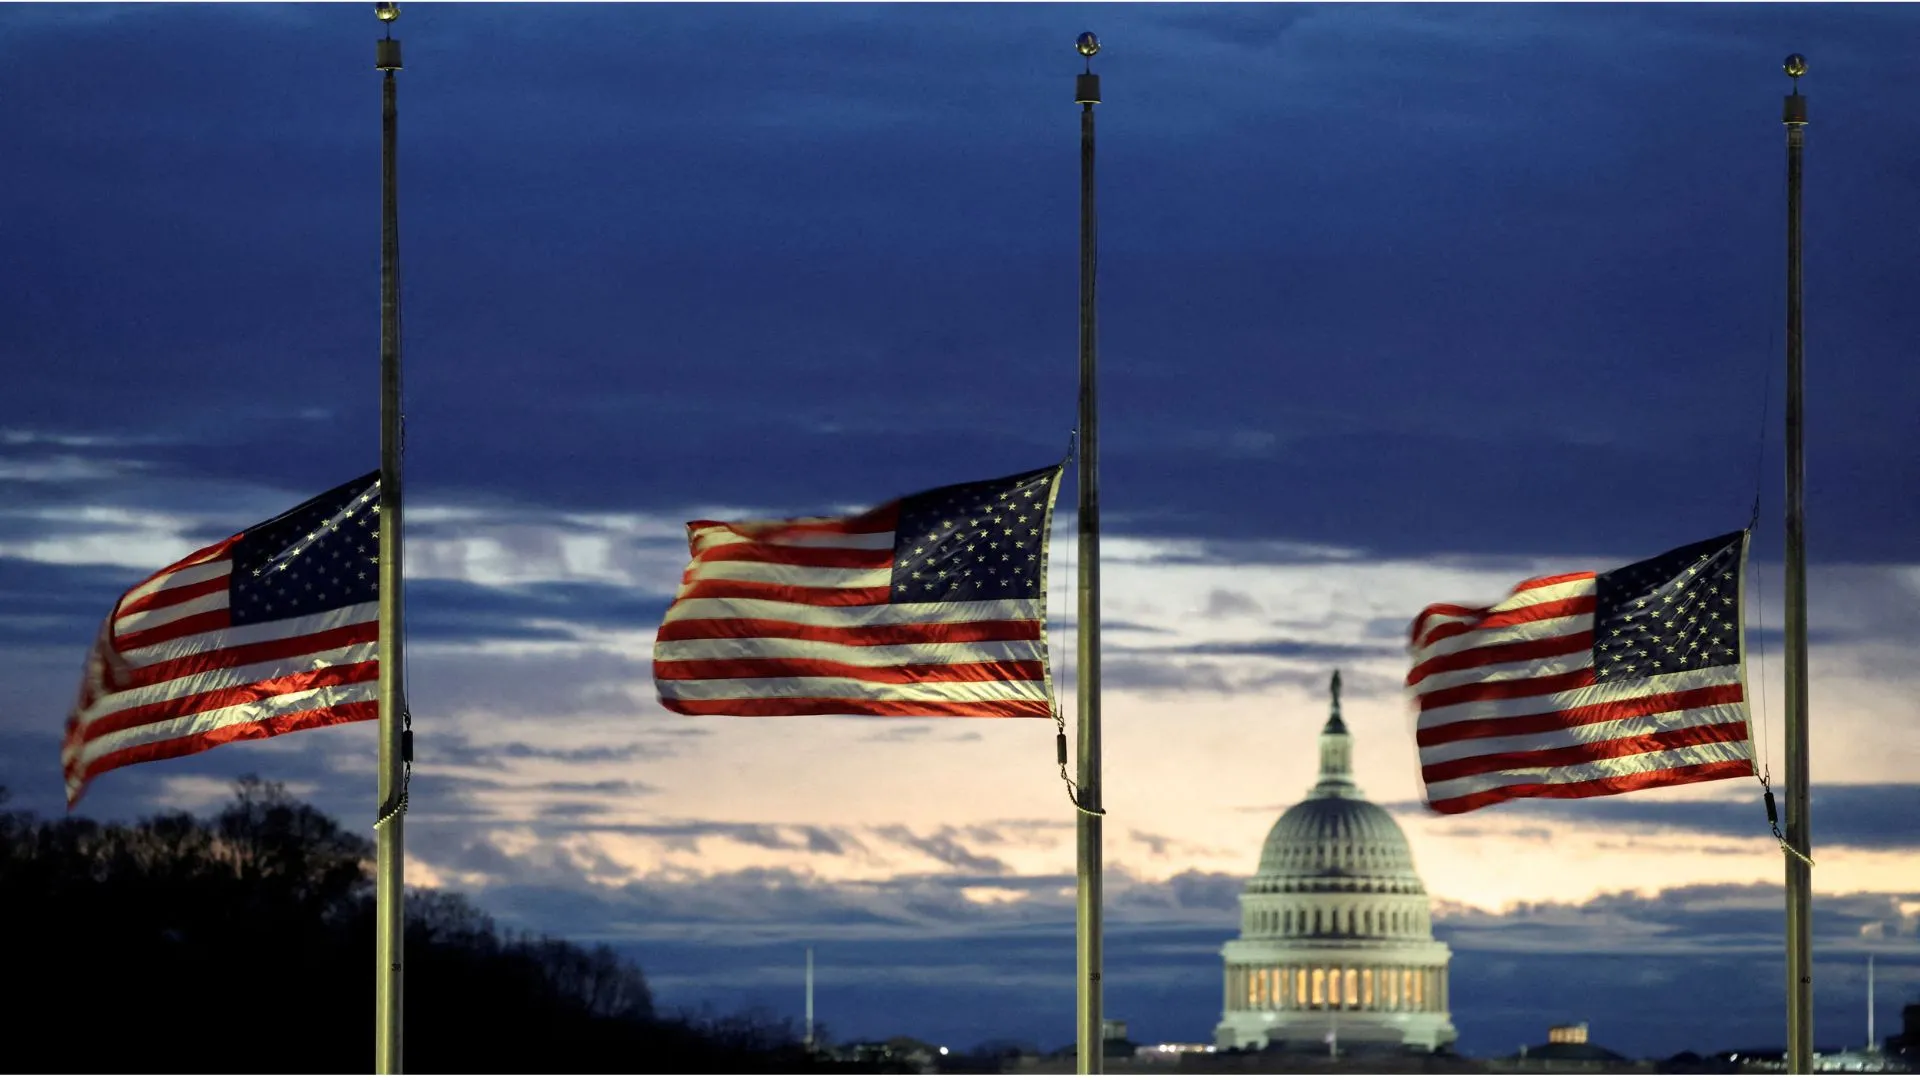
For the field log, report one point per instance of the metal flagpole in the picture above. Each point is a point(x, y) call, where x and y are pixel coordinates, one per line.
point(1087, 914)
point(1798, 839)
point(1871, 1046)
point(809, 997)
point(390, 866)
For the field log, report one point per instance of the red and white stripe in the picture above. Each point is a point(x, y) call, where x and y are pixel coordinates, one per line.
point(789, 618)
point(1509, 706)
point(169, 675)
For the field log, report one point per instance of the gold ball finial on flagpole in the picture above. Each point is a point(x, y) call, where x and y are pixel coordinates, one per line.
point(1087, 86)
point(1795, 114)
point(387, 56)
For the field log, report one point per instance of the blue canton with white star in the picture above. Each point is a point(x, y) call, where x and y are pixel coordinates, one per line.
point(320, 555)
point(1674, 612)
point(980, 541)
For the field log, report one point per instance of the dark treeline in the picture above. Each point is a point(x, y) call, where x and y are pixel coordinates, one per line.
point(244, 943)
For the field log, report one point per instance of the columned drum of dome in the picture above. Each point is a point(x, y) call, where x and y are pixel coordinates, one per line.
point(1336, 938)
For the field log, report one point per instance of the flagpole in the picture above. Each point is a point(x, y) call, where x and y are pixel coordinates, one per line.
point(1872, 1048)
point(390, 868)
point(1798, 838)
point(1087, 913)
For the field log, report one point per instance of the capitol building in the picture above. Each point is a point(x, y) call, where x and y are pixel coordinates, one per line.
point(1336, 941)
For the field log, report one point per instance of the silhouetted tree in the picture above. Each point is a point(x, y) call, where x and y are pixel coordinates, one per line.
point(244, 944)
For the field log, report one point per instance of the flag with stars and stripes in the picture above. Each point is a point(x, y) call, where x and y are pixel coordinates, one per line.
point(1587, 684)
point(269, 631)
point(929, 605)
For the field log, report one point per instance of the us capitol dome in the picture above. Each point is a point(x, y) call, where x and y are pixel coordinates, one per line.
point(1336, 939)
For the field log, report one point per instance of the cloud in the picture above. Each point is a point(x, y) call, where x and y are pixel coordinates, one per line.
point(1356, 430)
point(693, 837)
point(572, 809)
point(829, 841)
point(1227, 669)
point(1156, 844)
point(1879, 817)
point(456, 749)
point(553, 685)
point(899, 955)
point(686, 836)
point(1226, 603)
point(1213, 551)
point(1161, 847)
point(1254, 30)
point(599, 787)
point(1157, 676)
point(41, 603)
point(1284, 649)
point(1067, 626)
point(1717, 920)
point(592, 754)
point(63, 468)
point(462, 612)
point(943, 846)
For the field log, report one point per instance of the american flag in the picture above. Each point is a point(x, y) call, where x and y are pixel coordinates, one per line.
point(268, 631)
point(930, 605)
point(1587, 684)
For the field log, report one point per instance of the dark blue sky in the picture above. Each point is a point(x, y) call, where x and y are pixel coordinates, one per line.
point(1459, 278)
point(1488, 282)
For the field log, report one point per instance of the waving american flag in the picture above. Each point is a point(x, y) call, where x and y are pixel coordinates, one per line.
point(1587, 684)
point(271, 630)
point(929, 605)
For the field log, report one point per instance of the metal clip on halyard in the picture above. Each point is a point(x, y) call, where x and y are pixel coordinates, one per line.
point(1059, 719)
point(1773, 822)
point(1060, 748)
point(397, 803)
